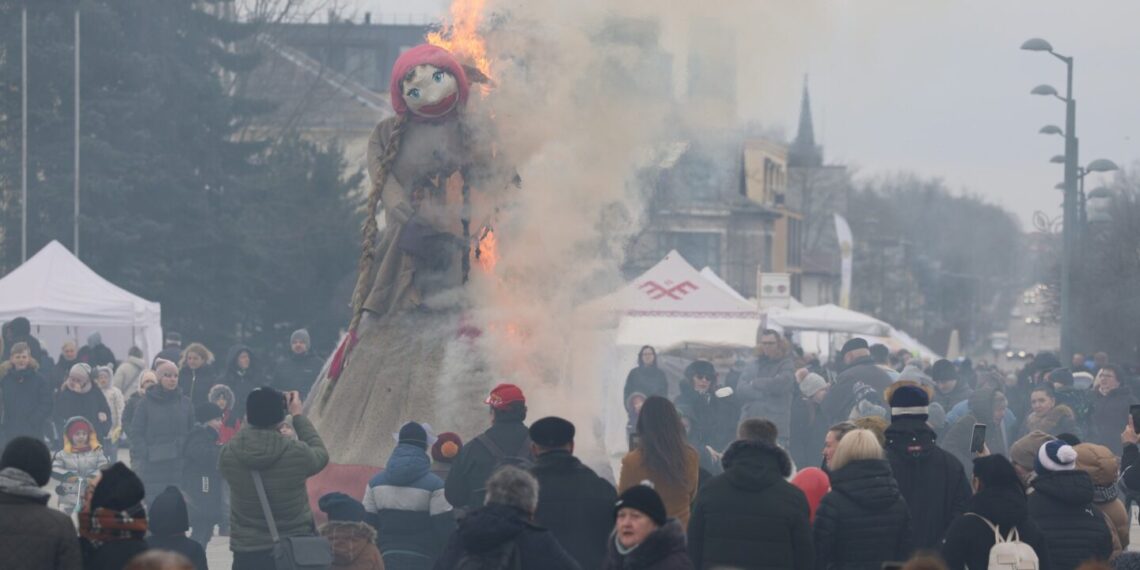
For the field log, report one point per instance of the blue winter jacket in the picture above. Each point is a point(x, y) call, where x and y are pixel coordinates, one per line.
point(410, 512)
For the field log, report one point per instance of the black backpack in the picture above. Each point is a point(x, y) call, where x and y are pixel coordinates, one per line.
point(521, 458)
point(505, 557)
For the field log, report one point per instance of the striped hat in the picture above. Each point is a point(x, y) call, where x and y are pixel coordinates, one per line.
point(909, 401)
point(1055, 455)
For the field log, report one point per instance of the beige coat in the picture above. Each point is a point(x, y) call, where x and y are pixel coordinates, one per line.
point(1104, 469)
point(677, 498)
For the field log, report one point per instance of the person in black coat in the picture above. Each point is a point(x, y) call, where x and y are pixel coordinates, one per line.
point(201, 480)
point(864, 520)
point(1061, 506)
point(1111, 398)
point(196, 373)
point(243, 373)
point(931, 479)
point(171, 348)
point(713, 411)
point(95, 353)
point(646, 378)
point(502, 534)
point(68, 357)
point(169, 522)
point(750, 516)
point(859, 368)
point(300, 368)
point(80, 397)
point(999, 500)
point(113, 522)
point(573, 502)
point(27, 397)
point(466, 482)
point(643, 537)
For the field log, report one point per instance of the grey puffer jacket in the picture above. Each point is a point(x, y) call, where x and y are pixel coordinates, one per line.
point(158, 433)
point(284, 465)
point(765, 389)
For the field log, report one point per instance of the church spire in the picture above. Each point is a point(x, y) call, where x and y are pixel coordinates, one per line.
point(803, 151)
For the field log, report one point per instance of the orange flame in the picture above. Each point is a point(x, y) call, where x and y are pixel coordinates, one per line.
point(461, 36)
point(487, 251)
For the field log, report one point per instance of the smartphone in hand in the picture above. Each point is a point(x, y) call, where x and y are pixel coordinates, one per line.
point(978, 441)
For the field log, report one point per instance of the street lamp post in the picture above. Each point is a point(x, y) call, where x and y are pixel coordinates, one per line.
point(1069, 207)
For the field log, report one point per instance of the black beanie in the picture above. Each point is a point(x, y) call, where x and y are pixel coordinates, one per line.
point(854, 344)
point(944, 370)
point(168, 513)
point(118, 490)
point(413, 433)
point(341, 507)
point(552, 432)
point(265, 407)
point(29, 455)
point(642, 498)
point(207, 411)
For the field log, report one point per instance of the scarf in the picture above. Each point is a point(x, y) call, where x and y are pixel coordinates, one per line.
point(623, 550)
point(105, 525)
point(18, 483)
point(1105, 494)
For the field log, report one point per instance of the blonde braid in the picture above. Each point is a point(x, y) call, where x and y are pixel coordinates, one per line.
point(370, 229)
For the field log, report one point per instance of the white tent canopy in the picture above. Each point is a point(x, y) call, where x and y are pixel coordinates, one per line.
point(65, 300)
point(830, 318)
point(672, 304)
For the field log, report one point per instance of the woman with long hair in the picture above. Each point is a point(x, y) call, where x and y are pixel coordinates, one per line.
point(196, 373)
point(664, 457)
point(646, 378)
point(864, 520)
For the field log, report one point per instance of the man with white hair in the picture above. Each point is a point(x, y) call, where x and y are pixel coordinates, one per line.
point(502, 533)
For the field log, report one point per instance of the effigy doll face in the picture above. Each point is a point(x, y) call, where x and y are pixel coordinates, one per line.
point(429, 91)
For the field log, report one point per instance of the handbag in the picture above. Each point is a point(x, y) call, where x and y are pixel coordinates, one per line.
point(293, 552)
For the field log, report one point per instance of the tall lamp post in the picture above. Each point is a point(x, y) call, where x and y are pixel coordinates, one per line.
point(1069, 208)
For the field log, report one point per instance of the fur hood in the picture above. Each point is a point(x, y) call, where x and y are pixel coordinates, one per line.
point(1049, 421)
point(222, 391)
point(1099, 462)
point(6, 367)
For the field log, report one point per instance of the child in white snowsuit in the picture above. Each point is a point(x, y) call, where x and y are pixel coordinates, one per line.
point(77, 463)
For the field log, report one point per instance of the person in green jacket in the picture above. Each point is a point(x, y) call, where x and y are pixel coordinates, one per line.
point(284, 465)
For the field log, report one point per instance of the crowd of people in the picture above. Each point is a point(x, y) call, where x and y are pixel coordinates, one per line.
point(785, 464)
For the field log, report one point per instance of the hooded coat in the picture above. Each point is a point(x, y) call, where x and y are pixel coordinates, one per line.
point(353, 546)
point(750, 516)
point(158, 433)
point(765, 390)
point(231, 422)
point(168, 521)
point(242, 382)
point(126, 377)
point(649, 380)
point(1059, 419)
point(713, 420)
point(489, 530)
point(297, 372)
point(73, 468)
point(969, 539)
point(663, 549)
point(1061, 505)
point(575, 504)
point(89, 404)
point(1104, 469)
point(1109, 415)
point(27, 402)
point(34, 536)
point(863, 521)
point(841, 398)
point(285, 464)
point(412, 515)
point(930, 479)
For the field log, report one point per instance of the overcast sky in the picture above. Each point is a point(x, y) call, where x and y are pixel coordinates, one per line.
point(939, 87)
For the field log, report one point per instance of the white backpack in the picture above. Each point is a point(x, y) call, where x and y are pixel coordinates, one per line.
point(1009, 553)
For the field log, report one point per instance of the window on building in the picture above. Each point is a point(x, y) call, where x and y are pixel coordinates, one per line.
point(795, 244)
point(700, 249)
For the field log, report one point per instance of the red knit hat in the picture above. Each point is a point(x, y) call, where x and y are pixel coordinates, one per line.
point(446, 447)
point(504, 395)
point(425, 54)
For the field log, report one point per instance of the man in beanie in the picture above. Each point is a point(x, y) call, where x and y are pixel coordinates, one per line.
point(809, 423)
point(750, 516)
point(949, 390)
point(353, 540)
point(300, 367)
point(506, 442)
point(643, 537)
point(171, 349)
point(412, 518)
point(169, 522)
point(859, 368)
point(932, 480)
point(502, 534)
point(573, 502)
point(32, 536)
point(767, 384)
point(284, 465)
point(1061, 505)
point(201, 480)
